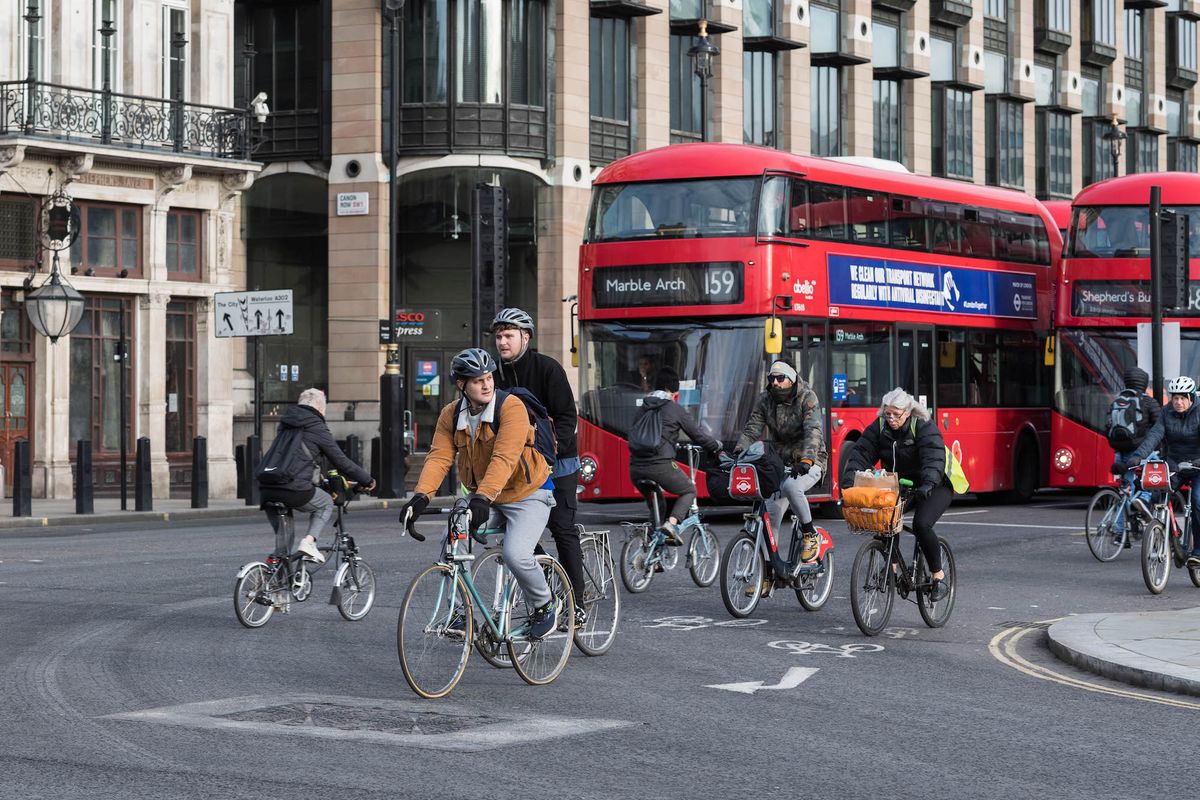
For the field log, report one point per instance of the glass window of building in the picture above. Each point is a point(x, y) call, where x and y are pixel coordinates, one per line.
point(1005, 122)
point(825, 20)
point(176, 23)
point(95, 402)
point(1054, 15)
point(426, 49)
point(1134, 33)
point(18, 231)
point(885, 35)
point(758, 18)
point(1141, 149)
point(1099, 21)
point(996, 9)
point(760, 81)
point(183, 245)
point(1181, 43)
point(1097, 160)
point(685, 92)
point(952, 109)
point(35, 56)
point(479, 32)
point(1053, 153)
point(610, 85)
point(110, 46)
point(181, 378)
point(889, 124)
point(527, 49)
point(827, 110)
point(109, 241)
point(1181, 151)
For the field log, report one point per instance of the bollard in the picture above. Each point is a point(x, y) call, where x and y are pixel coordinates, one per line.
point(239, 459)
point(22, 480)
point(253, 455)
point(143, 488)
point(375, 454)
point(199, 472)
point(353, 449)
point(84, 479)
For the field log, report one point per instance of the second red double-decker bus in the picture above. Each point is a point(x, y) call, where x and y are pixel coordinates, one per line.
point(879, 278)
point(1103, 293)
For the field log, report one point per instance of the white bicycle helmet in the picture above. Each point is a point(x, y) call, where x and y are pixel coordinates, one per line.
point(1182, 385)
point(514, 317)
point(472, 363)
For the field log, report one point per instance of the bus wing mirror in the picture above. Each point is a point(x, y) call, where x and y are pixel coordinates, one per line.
point(773, 336)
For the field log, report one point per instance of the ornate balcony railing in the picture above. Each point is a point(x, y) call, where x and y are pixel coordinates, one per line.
point(148, 123)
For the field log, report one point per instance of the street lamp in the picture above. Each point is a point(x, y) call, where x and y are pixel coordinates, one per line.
point(1115, 138)
point(55, 308)
point(702, 55)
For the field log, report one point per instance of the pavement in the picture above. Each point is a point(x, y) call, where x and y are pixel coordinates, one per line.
point(1154, 649)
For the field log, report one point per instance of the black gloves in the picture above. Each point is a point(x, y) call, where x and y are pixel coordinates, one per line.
point(480, 509)
point(1118, 468)
point(923, 491)
point(801, 467)
point(409, 513)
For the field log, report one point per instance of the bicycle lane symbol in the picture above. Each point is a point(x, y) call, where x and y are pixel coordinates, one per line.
point(691, 623)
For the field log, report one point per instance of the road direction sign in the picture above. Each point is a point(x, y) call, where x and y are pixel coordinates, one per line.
point(791, 679)
point(266, 313)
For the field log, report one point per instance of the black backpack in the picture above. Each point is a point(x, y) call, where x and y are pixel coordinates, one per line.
point(1125, 417)
point(645, 437)
point(543, 440)
point(287, 459)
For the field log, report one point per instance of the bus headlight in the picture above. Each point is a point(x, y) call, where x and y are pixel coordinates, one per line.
point(588, 469)
point(1063, 459)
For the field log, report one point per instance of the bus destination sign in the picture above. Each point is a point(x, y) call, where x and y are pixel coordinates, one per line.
point(879, 283)
point(706, 283)
point(1130, 298)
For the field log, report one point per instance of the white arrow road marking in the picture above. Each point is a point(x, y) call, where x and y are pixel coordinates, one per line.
point(791, 679)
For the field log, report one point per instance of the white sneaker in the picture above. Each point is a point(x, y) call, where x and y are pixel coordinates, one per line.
point(308, 546)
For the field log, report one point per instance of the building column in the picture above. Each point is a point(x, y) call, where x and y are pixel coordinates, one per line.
point(49, 399)
point(860, 80)
point(725, 104)
point(795, 87)
point(653, 91)
point(150, 383)
point(1154, 104)
point(214, 402)
point(917, 94)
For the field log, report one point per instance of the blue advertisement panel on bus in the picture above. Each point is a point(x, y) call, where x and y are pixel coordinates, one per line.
point(883, 283)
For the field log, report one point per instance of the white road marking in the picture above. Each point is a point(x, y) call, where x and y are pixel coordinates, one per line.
point(963, 513)
point(1072, 528)
point(790, 680)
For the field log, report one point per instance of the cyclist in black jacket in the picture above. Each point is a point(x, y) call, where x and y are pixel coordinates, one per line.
point(906, 441)
point(546, 378)
point(1136, 380)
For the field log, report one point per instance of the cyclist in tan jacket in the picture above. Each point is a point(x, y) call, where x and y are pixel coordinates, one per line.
point(493, 445)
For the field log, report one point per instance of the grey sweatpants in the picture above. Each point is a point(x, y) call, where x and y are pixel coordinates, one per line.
point(792, 491)
point(320, 511)
point(524, 522)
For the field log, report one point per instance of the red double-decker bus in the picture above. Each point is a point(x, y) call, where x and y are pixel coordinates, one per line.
point(879, 278)
point(1103, 292)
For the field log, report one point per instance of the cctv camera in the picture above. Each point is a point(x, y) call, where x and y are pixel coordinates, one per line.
point(258, 107)
point(261, 97)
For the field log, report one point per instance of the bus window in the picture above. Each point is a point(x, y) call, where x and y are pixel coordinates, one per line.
point(1112, 232)
point(827, 204)
point(861, 363)
point(674, 209)
point(951, 380)
point(944, 234)
point(798, 210)
point(1021, 354)
point(1019, 233)
point(868, 213)
point(908, 223)
point(978, 237)
point(772, 207)
point(982, 377)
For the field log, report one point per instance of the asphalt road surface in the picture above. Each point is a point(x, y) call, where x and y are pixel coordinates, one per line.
point(126, 675)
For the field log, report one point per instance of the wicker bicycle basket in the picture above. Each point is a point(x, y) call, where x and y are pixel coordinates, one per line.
point(876, 521)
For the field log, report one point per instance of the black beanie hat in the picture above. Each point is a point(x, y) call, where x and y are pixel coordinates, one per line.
point(1136, 379)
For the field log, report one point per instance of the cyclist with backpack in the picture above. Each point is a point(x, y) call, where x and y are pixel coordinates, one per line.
point(289, 474)
point(788, 414)
point(652, 439)
point(522, 368)
point(487, 432)
point(1131, 416)
point(1178, 427)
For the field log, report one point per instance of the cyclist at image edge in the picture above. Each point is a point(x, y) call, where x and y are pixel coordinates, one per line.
point(301, 493)
point(1123, 441)
point(906, 441)
point(507, 476)
point(788, 414)
point(1179, 429)
point(547, 380)
point(660, 466)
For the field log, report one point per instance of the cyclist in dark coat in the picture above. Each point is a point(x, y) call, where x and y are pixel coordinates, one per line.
point(906, 441)
point(1135, 380)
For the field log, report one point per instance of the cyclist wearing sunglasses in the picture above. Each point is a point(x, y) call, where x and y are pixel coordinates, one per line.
point(906, 441)
point(788, 414)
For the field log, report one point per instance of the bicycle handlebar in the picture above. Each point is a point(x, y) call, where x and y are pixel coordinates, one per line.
point(409, 526)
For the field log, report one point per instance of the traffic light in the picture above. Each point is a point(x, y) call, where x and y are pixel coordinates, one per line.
point(1173, 249)
point(489, 253)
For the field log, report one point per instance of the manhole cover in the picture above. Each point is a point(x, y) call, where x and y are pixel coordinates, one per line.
point(361, 718)
point(1033, 626)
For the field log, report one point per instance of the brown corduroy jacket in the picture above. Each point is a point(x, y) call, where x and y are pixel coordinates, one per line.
point(504, 467)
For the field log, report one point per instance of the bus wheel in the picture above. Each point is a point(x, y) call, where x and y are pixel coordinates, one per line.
point(1027, 474)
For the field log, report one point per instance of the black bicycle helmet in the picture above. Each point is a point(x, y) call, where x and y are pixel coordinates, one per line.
point(473, 362)
point(514, 317)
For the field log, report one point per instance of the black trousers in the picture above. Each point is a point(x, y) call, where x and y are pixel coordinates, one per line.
point(928, 512)
point(672, 479)
point(565, 534)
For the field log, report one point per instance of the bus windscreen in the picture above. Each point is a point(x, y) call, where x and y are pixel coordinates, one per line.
point(673, 209)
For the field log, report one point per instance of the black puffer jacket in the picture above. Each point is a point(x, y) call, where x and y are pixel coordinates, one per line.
point(546, 378)
point(674, 418)
point(1179, 432)
point(915, 452)
point(319, 441)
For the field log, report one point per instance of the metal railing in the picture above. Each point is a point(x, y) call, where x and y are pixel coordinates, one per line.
point(34, 108)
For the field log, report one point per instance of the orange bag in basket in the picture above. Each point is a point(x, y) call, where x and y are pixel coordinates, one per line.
point(869, 497)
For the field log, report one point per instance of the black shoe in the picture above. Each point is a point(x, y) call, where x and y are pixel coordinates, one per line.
point(939, 591)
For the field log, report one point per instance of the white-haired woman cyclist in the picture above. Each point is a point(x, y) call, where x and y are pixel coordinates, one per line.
point(906, 441)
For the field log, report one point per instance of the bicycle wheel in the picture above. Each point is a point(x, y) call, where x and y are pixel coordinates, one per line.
point(670, 556)
point(355, 582)
point(741, 576)
point(252, 596)
point(601, 600)
point(433, 635)
point(704, 559)
point(488, 577)
point(540, 661)
point(1156, 557)
point(636, 574)
point(871, 589)
point(937, 614)
point(815, 593)
point(1098, 525)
